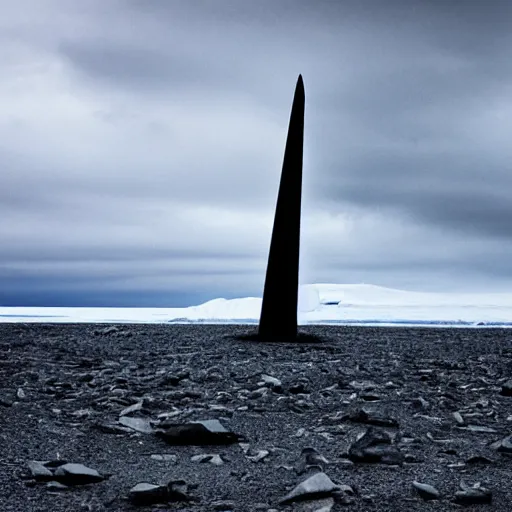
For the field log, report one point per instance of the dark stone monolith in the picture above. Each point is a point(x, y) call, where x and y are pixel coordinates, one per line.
point(278, 318)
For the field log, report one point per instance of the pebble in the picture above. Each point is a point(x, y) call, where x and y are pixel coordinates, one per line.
point(202, 432)
point(149, 494)
point(317, 484)
point(138, 424)
point(77, 474)
point(426, 491)
point(375, 446)
point(506, 389)
point(166, 457)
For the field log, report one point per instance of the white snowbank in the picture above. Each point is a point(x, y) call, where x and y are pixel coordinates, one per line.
point(318, 304)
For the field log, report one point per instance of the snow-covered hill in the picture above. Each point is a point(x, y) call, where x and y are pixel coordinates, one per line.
point(318, 304)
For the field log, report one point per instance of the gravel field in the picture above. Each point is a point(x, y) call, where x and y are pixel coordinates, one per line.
point(363, 414)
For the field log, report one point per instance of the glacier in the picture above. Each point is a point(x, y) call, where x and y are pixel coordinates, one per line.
point(319, 304)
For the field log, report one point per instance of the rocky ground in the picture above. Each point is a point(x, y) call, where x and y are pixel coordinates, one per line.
point(371, 419)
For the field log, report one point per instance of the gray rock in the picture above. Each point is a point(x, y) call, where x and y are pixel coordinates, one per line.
point(149, 494)
point(506, 389)
point(370, 397)
point(313, 487)
point(457, 416)
point(56, 486)
point(504, 446)
point(420, 403)
point(131, 408)
point(212, 458)
point(310, 457)
point(178, 490)
point(479, 429)
point(106, 331)
point(5, 401)
point(77, 474)
point(39, 471)
point(196, 433)
point(301, 386)
point(364, 385)
point(262, 454)
point(479, 459)
point(271, 382)
point(111, 428)
point(166, 457)
point(473, 496)
point(138, 424)
point(426, 491)
point(317, 505)
point(375, 446)
point(371, 417)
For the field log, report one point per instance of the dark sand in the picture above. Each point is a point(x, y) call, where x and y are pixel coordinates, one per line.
point(75, 377)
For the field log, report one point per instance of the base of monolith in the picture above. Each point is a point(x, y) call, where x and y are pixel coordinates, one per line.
point(301, 337)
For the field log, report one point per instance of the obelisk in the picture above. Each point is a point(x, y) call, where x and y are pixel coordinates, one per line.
point(278, 318)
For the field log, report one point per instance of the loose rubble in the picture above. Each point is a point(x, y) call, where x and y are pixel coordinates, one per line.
point(373, 419)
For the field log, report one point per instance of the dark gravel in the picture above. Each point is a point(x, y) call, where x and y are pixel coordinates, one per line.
point(63, 386)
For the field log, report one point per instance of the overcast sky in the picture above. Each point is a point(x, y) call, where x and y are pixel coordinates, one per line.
point(141, 144)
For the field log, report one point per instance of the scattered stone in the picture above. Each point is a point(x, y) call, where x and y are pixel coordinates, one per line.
point(426, 491)
point(138, 424)
point(314, 487)
point(457, 416)
point(420, 403)
point(166, 457)
point(90, 392)
point(149, 494)
point(370, 397)
point(298, 388)
point(504, 445)
point(479, 459)
point(5, 402)
point(77, 474)
point(271, 382)
point(212, 458)
point(56, 486)
point(197, 433)
point(39, 471)
point(310, 458)
point(479, 429)
point(132, 408)
point(506, 389)
point(472, 495)
point(111, 428)
point(317, 505)
point(106, 331)
point(345, 494)
point(178, 491)
point(365, 385)
point(375, 446)
point(370, 417)
point(21, 394)
point(262, 454)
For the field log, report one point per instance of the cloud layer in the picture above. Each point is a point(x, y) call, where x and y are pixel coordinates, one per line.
point(141, 146)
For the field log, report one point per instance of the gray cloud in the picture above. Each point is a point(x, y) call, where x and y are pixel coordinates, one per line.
point(141, 145)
